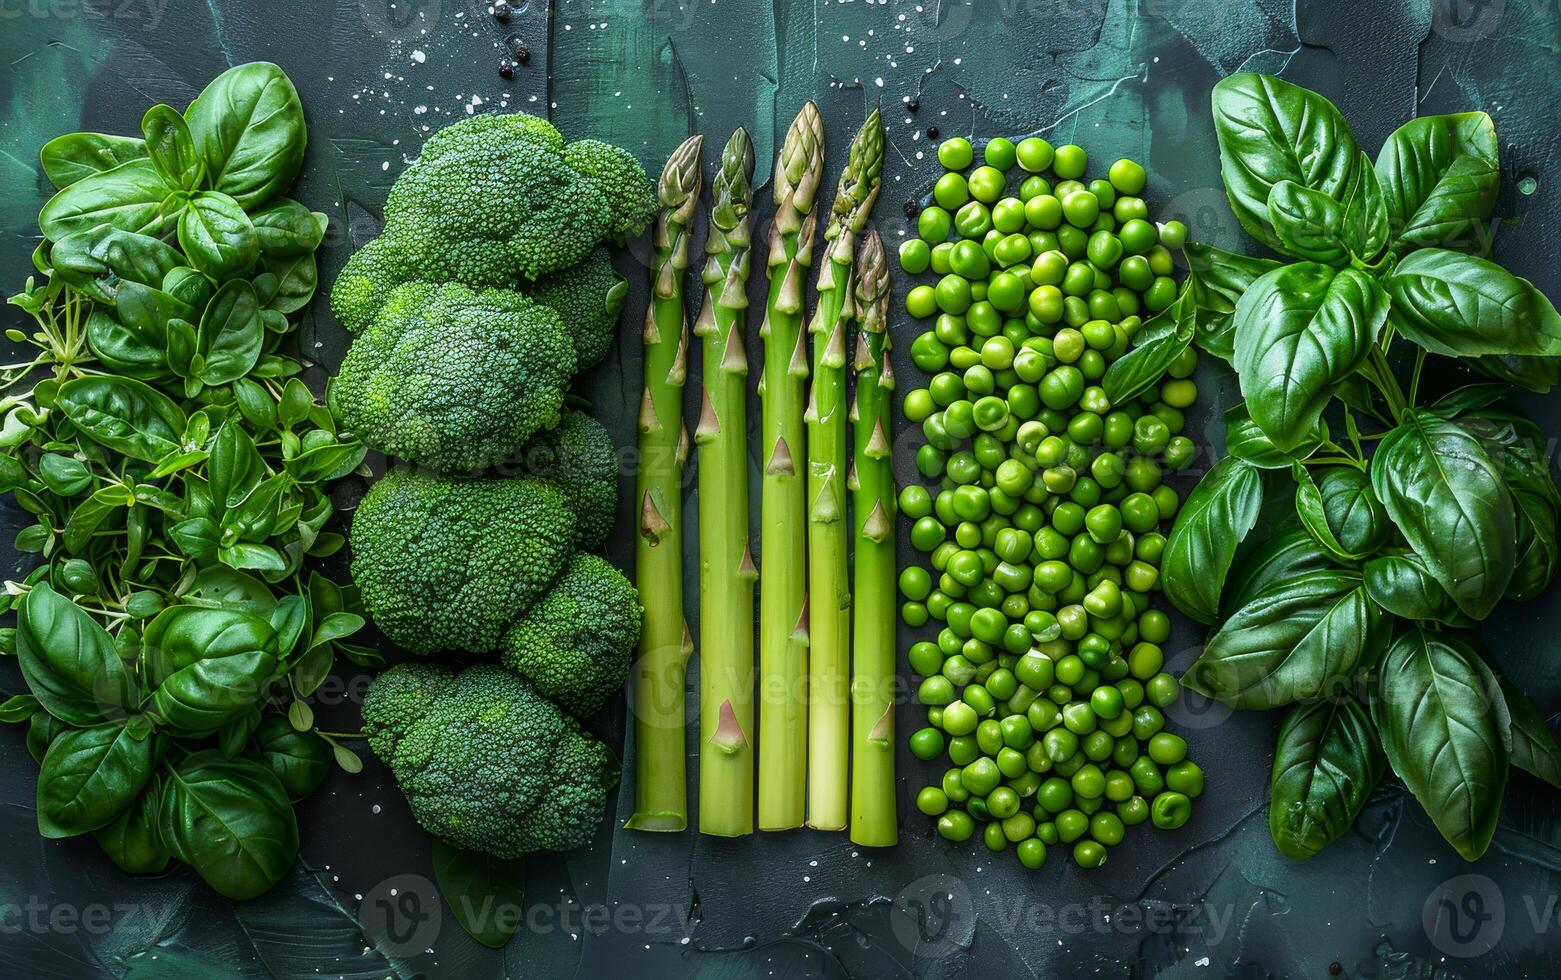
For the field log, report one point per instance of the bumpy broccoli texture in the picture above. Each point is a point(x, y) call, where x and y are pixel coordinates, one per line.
point(454, 378)
point(485, 761)
point(497, 222)
point(578, 456)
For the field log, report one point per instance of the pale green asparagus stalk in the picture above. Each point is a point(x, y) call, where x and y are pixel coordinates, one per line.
point(829, 591)
point(783, 592)
point(874, 822)
point(726, 572)
point(661, 781)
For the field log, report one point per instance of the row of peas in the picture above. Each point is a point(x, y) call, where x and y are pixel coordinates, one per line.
point(1045, 686)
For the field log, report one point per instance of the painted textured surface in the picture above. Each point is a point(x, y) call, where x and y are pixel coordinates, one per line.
point(1122, 78)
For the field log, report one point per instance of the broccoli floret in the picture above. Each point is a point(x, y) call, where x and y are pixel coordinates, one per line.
point(494, 201)
point(578, 455)
point(621, 179)
point(575, 645)
point(452, 378)
point(588, 297)
point(485, 761)
point(450, 563)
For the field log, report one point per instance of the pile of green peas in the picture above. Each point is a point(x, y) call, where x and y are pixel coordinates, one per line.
point(1041, 513)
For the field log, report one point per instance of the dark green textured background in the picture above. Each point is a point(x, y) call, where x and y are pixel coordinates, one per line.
point(1121, 77)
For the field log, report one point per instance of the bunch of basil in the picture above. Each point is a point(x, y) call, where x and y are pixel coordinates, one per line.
point(177, 468)
point(1357, 617)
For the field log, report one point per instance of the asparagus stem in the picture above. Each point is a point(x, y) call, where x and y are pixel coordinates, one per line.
point(829, 591)
point(783, 592)
point(874, 822)
point(661, 781)
point(726, 571)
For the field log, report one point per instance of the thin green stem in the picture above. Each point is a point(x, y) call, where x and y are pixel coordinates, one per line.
point(1414, 379)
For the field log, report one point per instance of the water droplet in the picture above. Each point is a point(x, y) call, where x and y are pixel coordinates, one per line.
point(1527, 185)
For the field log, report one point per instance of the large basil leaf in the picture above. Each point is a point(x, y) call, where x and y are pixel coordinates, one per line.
point(1403, 586)
point(249, 127)
point(230, 337)
point(133, 840)
point(1439, 177)
point(1535, 566)
point(1313, 512)
point(1448, 498)
point(1244, 440)
point(1291, 642)
point(1217, 514)
point(1308, 224)
point(89, 776)
point(286, 228)
point(486, 894)
point(230, 820)
point(1281, 558)
point(1463, 306)
point(1215, 281)
point(1520, 450)
point(171, 148)
point(1443, 734)
point(218, 236)
point(96, 261)
point(297, 277)
point(1142, 367)
point(1270, 130)
point(69, 661)
point(299, 760)
point(1300, 331)
point(1365, 214)
point(76, 156)
point(1534, 373)
point(1354, 514)
point(1533, 748)
point(208, 665)
point(124, 415)
point(1326, 763)
point(132, 197)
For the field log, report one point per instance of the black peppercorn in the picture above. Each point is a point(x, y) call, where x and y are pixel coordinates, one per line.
point(507, 70)
point(913, 105)
point(518, 48)
point(911, 209)
point(932, 132)
point(502, 11)
point(1335, 968)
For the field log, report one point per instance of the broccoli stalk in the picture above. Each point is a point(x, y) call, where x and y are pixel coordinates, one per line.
point(783, 592)
point(873, 818)
point(726, 572)
point(661, 780)
point(829, 632)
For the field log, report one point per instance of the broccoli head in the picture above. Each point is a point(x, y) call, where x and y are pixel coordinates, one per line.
point(579, 457)
point(588, 298)
point(494, 201)
point(485, 761)
point(575, 645)
point(451, 563)
point(452, 378)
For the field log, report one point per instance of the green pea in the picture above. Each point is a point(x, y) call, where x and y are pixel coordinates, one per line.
point(1185, 778)
point(1000, 153)
point(951, 191)
point(1147, 722)
point(1034, 154)
point(1167, 749)
point(932, 801)
point(1071, 825)
point(956, 153)
point(936, 689)
point(1128, 177)
point(1014, 248)
point(1146, 776)
point(1129, 207)
point(1179, 392)
point(1170, 810)
point(1104, 249)
point(986, 184)
point(1002, 803)
point(1089, 782)
point(1046, 304)
point(1133, 811)
point(1160, 294)
point(980, 777)
point(1070, 162)
point(956, 825)
point(1173, 234)
point(963, 750)
point(1081, 208)
point(1167, 501)
point(933, 225)
point(927, 743)
point(921, 301)
point(1179, 452)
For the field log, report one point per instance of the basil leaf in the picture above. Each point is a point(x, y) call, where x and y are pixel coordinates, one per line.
point(230, 337)
point(290, 619)
point(1365, 226)
point(1218, 513)
point(133, 840)
point(1403, 586)
point(1354, 514)
point(249, 127)
point(1310, 508)
point(171, 148)
point(486, 894)
point(90, 514)
point(197, 537)
point(208, 666)
point(132, 197)
point(123, 415)
point(286, 228)
point(1244, 440)
point(75, 156)
point(1326, 763)
point(1535, 526)
point(299, 760)
point(1449, 500)
point(1433, 710)
point(89, 776)
point(297, 277)
point(1290, 642)
point(1142, 367)
point(1439, 177)
point(1462, 306)
point(96, 261)
point(1270, 130)
point(1300, 331)
point(69, 661)
point(1281, 558)
point(219, 587)
point(231, 820)
point(217, 236)
point(236, 466)
point(1534, 373)
point(1533, 745)
point(1308, 224)
point(1215, 281)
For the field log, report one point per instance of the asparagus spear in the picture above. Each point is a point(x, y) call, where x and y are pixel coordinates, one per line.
point(829, 632)
point(726, 571)
point(783, 593)
point(661, 786)
point(874, 822)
